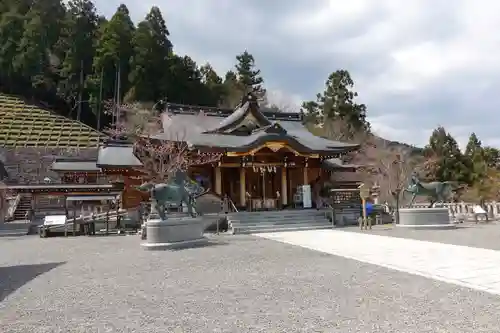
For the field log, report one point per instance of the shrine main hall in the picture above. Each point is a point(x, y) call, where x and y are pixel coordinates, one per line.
point(266, 156)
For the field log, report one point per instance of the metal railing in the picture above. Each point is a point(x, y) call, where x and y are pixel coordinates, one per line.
point(331, 210)
point(12, 207)
point(232, 205)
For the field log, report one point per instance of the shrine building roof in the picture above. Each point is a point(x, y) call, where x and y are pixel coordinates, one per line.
point(75, 165)
point(338, 164)
point(117, 153)
point(245, 128)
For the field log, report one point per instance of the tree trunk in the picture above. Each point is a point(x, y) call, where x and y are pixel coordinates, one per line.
point(397, 207)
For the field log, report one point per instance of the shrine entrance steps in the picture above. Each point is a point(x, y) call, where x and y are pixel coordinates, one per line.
point(23, 207)
point(14, 228)
point(275, 221)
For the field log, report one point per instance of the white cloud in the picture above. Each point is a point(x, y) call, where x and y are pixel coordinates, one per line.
point(416, 63)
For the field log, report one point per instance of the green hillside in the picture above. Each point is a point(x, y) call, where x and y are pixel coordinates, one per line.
point(26, 125)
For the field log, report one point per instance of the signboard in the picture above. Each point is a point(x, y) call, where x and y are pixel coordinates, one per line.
point(54, 220)
point(364, 191)
point(306, 196)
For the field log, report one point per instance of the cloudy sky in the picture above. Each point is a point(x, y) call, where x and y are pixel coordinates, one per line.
point(417, 64)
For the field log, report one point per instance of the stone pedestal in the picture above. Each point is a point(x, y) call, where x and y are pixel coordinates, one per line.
point(174, 233)
point(425, 218)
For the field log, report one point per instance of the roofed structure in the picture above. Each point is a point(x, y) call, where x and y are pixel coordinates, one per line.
point(27, 125)
point(244, 129)
point(267, 157)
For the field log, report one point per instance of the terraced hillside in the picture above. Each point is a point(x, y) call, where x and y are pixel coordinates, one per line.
point(26, 125)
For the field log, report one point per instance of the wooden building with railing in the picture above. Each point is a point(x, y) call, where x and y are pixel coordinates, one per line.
point(267, 156)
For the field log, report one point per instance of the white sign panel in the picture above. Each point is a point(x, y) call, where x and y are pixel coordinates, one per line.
point(55, 220)
point(478, 210)
point(306, 196)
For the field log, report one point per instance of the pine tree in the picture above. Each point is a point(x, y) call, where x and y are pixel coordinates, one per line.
point(214, 84)
point(473, 147)
point(249, 78)
point(232, 93)
point(337, 102)
point(449, 162)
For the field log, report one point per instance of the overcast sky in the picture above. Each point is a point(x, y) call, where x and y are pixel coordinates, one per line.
point(417, 64)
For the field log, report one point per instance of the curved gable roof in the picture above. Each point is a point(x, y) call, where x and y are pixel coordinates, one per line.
point(246, 109)
point(217, 129)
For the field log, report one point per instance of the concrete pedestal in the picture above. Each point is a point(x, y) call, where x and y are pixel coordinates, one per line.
point(425, 218)
point(174, 233)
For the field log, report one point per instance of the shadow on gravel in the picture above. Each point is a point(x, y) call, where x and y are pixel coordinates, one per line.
point(14, 277)
point(210, 243)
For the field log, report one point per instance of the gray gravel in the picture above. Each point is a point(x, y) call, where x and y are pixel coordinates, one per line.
point(482, 235)
point(239, 284)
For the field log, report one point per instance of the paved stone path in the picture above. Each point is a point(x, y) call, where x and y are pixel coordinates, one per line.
point(462, 265)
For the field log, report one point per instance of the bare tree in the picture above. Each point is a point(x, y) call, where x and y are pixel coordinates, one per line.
point(392, 171)
point(161, 156)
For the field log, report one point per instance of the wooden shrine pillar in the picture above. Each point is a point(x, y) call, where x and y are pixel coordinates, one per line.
point(218, 180)
point(74, 218)
point(305, 176)
point(243, 187)
point(284, 186)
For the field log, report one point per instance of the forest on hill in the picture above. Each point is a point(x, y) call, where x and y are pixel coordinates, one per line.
point(73, 60)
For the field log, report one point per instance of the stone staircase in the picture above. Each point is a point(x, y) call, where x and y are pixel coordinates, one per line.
point(274, 221)
point(14, 229)
point(22, 208)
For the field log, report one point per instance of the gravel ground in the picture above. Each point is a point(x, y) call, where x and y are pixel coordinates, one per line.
point(238, 284)
point(483, 235)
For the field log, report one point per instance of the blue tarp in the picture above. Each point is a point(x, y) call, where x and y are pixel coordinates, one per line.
point(369, 208)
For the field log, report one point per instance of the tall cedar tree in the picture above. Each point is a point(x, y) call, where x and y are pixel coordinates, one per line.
point(35, 59)
point(149, 63)
point(113, 53)
point(76, 47)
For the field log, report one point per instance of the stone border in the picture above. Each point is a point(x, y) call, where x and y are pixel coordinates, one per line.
point(176, 245)
point(428, 226)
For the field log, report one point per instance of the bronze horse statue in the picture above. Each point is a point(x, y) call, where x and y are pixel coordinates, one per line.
point(180, 190)
point(437, 191)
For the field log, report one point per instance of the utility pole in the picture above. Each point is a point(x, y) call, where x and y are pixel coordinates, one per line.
point(80, 93)
point(118, 94)
point(99, 105)
point(114, 108)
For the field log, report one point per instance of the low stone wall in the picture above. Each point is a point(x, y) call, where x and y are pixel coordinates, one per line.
point(467, 209)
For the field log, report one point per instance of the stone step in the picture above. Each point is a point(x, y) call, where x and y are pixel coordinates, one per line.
point(260, 216)
point(286, 212)
point(279, 224)
point(291, 227)
point(280, 221)
point(14, 229)
point(12, 233)
point(14, 225)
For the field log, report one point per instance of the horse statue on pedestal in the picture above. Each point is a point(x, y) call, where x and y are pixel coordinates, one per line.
point(179, 190)
point(437, 191)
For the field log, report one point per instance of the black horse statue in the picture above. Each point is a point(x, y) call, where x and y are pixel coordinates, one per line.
point(179, 190)
point(437, 191)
